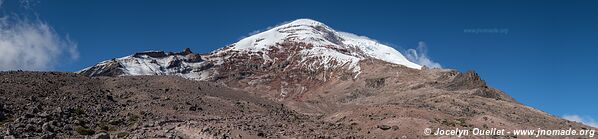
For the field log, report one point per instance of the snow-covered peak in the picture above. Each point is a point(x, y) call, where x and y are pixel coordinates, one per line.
point(304, 21)
point(326, 39)
point(305, 30)
point(300, 46)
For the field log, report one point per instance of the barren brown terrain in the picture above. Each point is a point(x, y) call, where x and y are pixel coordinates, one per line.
point(384, 101)
point(68, 105)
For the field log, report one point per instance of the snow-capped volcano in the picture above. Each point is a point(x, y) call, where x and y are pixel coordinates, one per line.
point(303, 45)
point(346, 48)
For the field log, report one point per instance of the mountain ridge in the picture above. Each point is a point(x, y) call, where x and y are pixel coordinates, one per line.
point(315, 45)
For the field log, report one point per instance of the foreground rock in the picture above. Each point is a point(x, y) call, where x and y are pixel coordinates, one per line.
point(68, 105)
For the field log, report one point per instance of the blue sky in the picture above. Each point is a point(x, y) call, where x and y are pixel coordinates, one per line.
point(546, 59)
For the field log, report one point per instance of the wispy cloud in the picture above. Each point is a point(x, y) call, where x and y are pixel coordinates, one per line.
point(584, 120)
point(30, 43)
point(420, 56)
point(28, 4)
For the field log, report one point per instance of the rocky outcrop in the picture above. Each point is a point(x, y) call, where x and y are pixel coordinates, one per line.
point(186, 51)
point(154, 54)
point(375, 82)
point(467, 80)
point(193, 58)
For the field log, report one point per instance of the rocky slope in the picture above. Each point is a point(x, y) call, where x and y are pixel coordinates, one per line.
point(67, 105)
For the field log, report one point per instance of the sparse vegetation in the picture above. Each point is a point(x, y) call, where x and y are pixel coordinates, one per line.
point(85, 131)
point(78, 111)
point(122, 135)
point(375, 82)
point(105, 126)
point(115, 122)
point(133, 118)
point(5, 120)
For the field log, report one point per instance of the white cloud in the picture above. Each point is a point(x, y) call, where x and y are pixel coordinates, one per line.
point(420, 56)
point(31, 44)
point(584, 120)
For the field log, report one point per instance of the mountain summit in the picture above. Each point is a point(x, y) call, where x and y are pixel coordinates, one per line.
point(303, 44)
point(322, 41)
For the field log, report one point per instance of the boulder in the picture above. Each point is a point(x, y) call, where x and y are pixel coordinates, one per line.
point(101, 136)
point(384, 127)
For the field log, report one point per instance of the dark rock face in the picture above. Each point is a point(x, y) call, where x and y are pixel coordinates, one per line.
point(470, 80)
point(174, 63)
point(193, 58)
point(186, 51)
point(159, 54)
point(467, 80)
point(375, 83)
point(162, 54)
point(493, 94)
